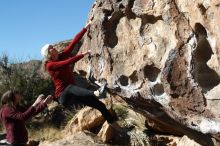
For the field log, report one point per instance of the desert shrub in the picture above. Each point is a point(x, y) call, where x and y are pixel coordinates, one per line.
point(24, 77)
point(120, 110)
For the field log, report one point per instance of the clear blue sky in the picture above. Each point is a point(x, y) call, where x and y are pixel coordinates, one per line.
point(26, 25)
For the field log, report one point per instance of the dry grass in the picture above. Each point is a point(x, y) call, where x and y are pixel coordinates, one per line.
point(46, 133)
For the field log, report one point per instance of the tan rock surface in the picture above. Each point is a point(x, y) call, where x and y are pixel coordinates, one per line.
point(162, 57)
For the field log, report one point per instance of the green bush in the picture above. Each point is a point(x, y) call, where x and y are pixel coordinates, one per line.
point(24, 77)
point(121, 111)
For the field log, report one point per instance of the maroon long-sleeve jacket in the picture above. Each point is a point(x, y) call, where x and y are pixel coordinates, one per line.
point(14, 122)
point(60, 70)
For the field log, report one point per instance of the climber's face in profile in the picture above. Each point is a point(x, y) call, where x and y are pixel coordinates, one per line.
point(53, 52)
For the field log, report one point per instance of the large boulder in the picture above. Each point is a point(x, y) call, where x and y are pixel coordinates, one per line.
point(88, 119)
point(163, 58)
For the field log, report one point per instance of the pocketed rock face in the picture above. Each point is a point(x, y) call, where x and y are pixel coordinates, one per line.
point(162, 57)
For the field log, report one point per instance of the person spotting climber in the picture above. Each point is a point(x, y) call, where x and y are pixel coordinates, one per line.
point(66, 92)
point(14, 120)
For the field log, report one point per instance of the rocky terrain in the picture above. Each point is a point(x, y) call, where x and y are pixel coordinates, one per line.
point(162, 59)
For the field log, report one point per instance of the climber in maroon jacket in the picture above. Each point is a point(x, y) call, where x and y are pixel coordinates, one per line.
point(66, 92)
point(14, 121)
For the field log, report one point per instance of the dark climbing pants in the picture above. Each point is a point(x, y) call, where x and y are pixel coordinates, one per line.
point(77, 95)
